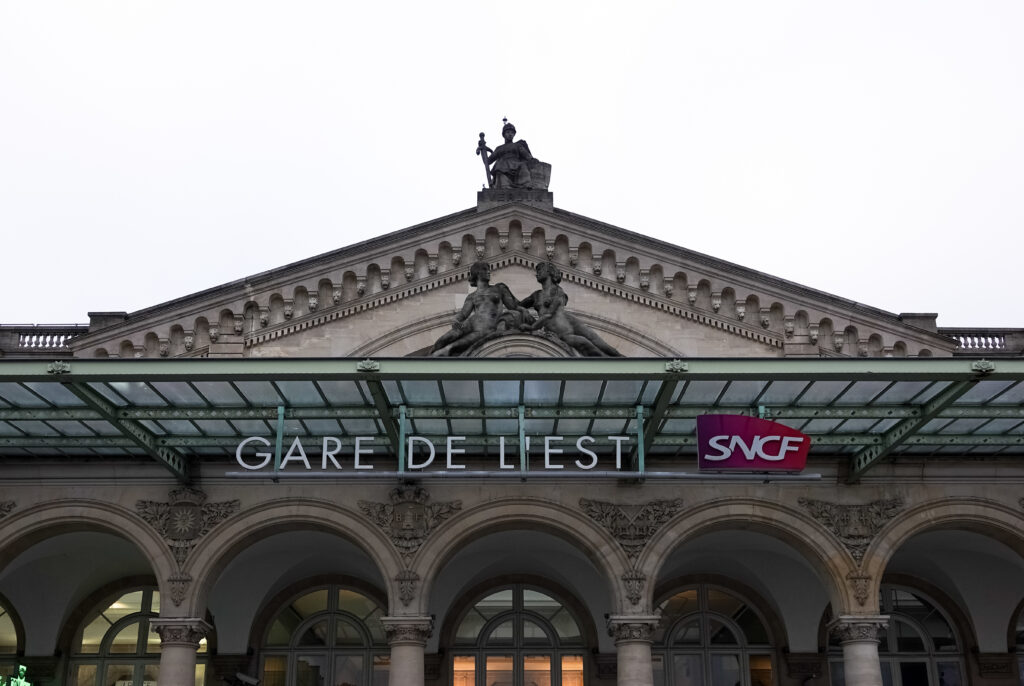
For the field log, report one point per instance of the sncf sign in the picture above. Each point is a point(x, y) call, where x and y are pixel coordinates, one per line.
point(727, 443)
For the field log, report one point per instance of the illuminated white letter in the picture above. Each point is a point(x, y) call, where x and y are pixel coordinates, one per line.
point(723, 451)
point(409, 453)
point(760, 448)
point(362, 451)
point(501, 455)
point(452, 450)
point(329, 454)
point(593, 455)
point(301, 457)
point(549, 451)
point(266, 456)
point(618, 449)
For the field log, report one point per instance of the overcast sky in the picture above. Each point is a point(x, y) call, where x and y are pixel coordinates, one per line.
point(873, 150)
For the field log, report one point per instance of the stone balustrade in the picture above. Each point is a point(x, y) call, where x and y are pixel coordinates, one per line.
point(32, 340)
point(986, 341)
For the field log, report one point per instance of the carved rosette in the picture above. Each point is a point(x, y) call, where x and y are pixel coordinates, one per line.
point(854, 525)
point(408, 630)
point(858, 628)
point(179, 631)
point(407, 580)
point(409, 518)
point(634, 581)
point(632, 525)
point(632, 627)
point(185, 519)
point(179, 586)
point(5, 507)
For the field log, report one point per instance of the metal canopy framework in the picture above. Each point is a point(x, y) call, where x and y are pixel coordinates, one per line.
point(181, 412)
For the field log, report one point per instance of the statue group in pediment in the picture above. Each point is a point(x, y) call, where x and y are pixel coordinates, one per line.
point(492, 311)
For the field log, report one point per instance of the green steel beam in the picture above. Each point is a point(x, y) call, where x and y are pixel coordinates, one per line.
point(243, 369)
point(905, 430)
point(384, 412)
point(140, 435)
point(657, 412)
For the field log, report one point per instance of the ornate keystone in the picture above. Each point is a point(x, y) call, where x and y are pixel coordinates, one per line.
point(179, 631)
point(574, 256)
point(632, 627)
point(179, 586)
point(858, 628)
point(185, 519)
point(407, 580)
point(854, 525)
point(645, 279)
point(631, 525)
point(861, 584)
point(634, 582)
point(789, 326)
point(409, 630)
point(409, 518)
point(481, 251)
point(503, 240)
point(838, 339)
point(766, 317)
point(527, 240)
point(813, 330)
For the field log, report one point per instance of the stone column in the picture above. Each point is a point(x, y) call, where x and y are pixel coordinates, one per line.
point(407, 637)
point(632, 634)
point(858, 635)
point(179, 639)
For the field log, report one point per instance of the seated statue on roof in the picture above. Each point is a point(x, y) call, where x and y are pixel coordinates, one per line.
point(512, 165)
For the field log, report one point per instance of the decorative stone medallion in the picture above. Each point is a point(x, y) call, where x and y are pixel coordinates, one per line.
point(185, 519)
point(854, 525)
point(632, 525)
point(634, 581)
point(407, 580)
point(5, 507)
point(179, 585)
point(409, 518)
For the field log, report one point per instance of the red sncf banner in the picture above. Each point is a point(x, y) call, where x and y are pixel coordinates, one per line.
point(733, 443)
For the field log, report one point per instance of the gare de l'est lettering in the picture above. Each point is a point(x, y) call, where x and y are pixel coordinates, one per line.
point(509, 446)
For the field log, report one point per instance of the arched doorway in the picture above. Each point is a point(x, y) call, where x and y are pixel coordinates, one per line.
point(330, 635)
point(710, 635)
point(920, 647)
point(517, 635)
point(114, 645)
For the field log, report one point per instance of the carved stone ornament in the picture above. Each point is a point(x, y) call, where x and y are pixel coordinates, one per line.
point(716, 301)
point(407, 580)
point(668, 287)
point(813, 330)
point(741, 309)
point(634, 581)
point(631, 525)
point(632, 627)
point(190, 341)
point(214, 332)
point(838, 339)
point(574, 256)
point(412, 630)
point(289, 309)
point(180, 631)
point(264, 316)
point(336, 292)
point(858, 628)
point(620, 271)
point(503, 240)
point(861, 585)
point(409, 518)
point(691, 294)
point(165, 347)
point(597, 266)
point(58, 367)
point(431, 264)
point(527, 240)
point(789, 326)
point(854, 525)
point(314, 302)
point(179, 586)
point(185, 519)
point(5, 507)
point(239, 324)
point(385, 274)
point(549, 248)
point(367, 365)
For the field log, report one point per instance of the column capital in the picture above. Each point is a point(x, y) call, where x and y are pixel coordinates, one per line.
point(408, 630)
point(179, 631)
point(858, 628)
point(632, 627)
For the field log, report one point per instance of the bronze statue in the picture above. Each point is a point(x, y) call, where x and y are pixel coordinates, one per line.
point(488, 311)
point(552, 317)
point(511, 164)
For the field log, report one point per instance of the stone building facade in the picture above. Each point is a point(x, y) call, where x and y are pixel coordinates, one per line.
point(139, 542)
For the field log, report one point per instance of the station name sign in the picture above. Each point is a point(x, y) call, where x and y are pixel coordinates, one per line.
point(737, 443)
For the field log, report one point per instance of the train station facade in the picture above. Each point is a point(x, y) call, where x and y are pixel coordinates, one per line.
point(303, 478)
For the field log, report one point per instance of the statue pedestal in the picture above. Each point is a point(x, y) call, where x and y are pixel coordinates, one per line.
point(492, 197)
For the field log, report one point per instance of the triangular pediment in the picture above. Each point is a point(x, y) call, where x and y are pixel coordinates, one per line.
point(397, 294)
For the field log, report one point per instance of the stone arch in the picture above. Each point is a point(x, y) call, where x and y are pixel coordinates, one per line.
point(657, 279)
point(984, 517)
point(300, 301)
point(126, 350)
point(727, 308)
point(213, 552)
point(561, 521)
point(24, 528)
point(152, 345)
point(100, 352)
point(800, 532)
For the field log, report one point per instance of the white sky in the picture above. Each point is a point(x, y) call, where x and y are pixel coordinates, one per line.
point(874, 150)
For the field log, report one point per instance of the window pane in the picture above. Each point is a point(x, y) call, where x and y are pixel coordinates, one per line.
point(544, 605)
point(347, 634)
point(470, 627)
point(572, 670)
point(752, 627)
point(721, 634)
point(120, 675)
point(537, 670)
point(310, 670)
point(356, 603)
point(129, 603)
point(534, 634)
point(499, 670)
point(914, 672)
point(689, 633)
point(837, 673)
point(566, 626)
point(311, 603)
point(949, 674)
point(200, 675)
point(725, 670)
point(315, 635)
point(150, 673)
point(501, 635)
point(93, 634)
point(153, 640)
point(348, 670)
point(760, 670)
point(495, 603)
point(84, 675)
point(724, 603)
point(464, 670)
point(280, 634)
point(8, 637)
point(658, 667)
point(687, 670)
point(155, 603)
point(274, 667)
point(127, 640)
point(908, 640)
point(381, 670)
